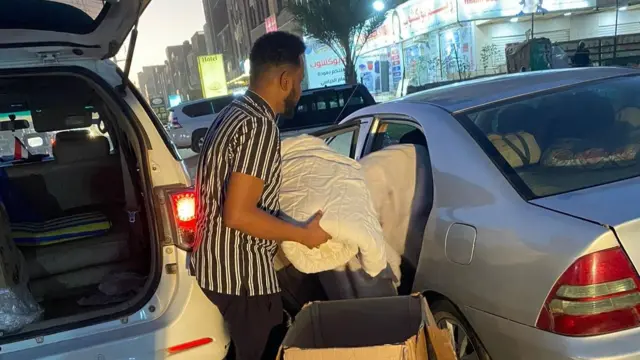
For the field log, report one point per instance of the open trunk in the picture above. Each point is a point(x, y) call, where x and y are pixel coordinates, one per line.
point(68, 200)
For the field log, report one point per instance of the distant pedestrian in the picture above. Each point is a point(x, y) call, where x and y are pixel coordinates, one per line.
point(581, 57)
point(237, 187)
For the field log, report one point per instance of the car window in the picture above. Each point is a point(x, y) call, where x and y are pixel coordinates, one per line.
point(40, 143)
point(342, 143)
point(353, 98)
point(320, 103)
point(198, 109)
point(220, 103)
point(391, 133)
point(585, 136)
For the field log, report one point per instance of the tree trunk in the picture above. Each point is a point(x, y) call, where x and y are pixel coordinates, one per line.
point(350, 76)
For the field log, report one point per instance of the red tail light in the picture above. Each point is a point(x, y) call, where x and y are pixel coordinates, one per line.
point(175, 124)
point(598, 294)
point(183, 206)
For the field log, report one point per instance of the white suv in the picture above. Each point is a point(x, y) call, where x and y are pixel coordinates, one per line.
point(188, 122)
point(105, 231)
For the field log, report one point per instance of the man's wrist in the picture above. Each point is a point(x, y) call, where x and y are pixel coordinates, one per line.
point(299, 235)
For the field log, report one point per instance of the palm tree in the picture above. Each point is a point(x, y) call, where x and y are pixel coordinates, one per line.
point(343, 25)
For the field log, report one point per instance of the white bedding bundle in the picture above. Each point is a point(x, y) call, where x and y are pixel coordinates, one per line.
point(315, 177)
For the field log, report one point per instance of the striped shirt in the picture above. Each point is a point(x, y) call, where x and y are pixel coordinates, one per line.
point(244, 138)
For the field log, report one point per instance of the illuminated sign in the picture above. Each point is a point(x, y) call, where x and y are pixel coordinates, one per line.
point(323, 65)
point(212, 76)
point(489, 9)
point(271, 24)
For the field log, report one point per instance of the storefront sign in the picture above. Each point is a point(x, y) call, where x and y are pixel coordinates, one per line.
point(489, 9)
point(420, 17)
point(323, 65)
point(410, 19)
point(212, 75)
point(158, 106)
point(271, 24)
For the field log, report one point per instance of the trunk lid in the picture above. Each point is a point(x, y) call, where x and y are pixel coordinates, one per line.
point(614, 205)
point(93, 29)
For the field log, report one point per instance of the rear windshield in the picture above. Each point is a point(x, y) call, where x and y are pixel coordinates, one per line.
point(549, 144)
point(71, 16)
point(36, 142)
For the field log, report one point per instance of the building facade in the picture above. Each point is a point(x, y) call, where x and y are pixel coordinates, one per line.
point(181, 73)
point(152, 81)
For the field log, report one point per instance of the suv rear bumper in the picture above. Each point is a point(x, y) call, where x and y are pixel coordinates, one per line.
point(507, 340)
point(180, 137)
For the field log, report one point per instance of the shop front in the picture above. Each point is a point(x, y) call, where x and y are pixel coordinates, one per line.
point(420, 42)
point(498, 24)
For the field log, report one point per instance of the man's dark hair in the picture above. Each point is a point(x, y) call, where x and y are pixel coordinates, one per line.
point(275, 49)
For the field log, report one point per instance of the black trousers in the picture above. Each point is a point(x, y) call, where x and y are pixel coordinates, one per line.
point(250, 320)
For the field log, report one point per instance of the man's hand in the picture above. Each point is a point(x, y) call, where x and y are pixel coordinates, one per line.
point(316, 236)
point(241, 212)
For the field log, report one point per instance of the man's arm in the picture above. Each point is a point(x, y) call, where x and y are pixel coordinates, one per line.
point(242, 213)
point(257, 150)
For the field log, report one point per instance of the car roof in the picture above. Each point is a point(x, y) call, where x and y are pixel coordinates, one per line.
point(183, 104)
point(334, 88)
point(472, 93)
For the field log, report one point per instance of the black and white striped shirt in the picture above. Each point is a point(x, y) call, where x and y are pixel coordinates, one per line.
point(243, 138)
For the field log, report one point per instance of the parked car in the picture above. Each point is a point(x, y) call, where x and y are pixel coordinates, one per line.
point(189, 121)
point(530, 248)
point(317, 108)
point(126, 182)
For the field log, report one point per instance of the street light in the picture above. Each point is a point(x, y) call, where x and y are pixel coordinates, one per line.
point(378, 5)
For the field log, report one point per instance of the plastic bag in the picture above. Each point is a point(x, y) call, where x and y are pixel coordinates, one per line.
point(18, 308)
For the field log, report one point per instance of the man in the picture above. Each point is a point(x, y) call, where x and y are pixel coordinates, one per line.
point(581, 57)
point(237, 186)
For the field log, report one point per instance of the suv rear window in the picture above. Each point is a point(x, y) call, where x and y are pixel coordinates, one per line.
point(585, 136)
point(38, 142)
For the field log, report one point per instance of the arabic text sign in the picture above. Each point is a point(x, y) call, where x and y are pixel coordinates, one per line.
point(212, 76)
point(271, 24)
point(323, 65)
point(489, 9)
point(411, 19)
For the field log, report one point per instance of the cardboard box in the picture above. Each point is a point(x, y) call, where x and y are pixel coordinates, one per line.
point(392, 328)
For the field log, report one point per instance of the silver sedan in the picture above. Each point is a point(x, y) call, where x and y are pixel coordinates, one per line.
point(531, 246)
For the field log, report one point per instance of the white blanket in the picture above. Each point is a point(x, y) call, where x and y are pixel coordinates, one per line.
point(315, 177)
point(397, 179)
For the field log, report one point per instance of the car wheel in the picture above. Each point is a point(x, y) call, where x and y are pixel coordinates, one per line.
point(465, 341)
point(197, 140)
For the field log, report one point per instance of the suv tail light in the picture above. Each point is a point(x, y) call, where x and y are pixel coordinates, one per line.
point(183, 207)
point(175, 124)
point(598, 294)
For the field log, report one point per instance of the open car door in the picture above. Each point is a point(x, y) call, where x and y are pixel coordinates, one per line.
point(93, 29)
point(342, 138)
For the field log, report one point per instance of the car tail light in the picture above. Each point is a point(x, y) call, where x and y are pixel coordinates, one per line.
point(175, 124)
point(598, 294)
point(183, 207)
